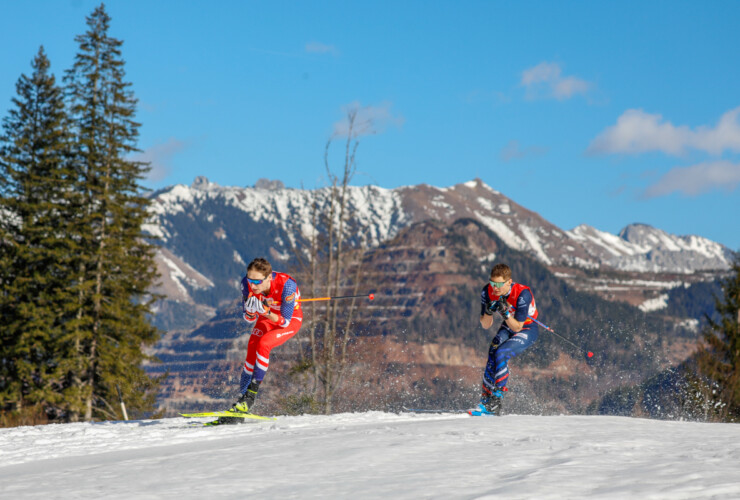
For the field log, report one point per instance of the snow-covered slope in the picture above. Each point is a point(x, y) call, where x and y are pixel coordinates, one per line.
point(181, 276)
point(375, 455)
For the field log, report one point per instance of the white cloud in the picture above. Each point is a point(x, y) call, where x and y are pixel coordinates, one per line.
point(321, 48)
point(543, 72)
point(696, 179)
point(567, 87)
point(514, 151)
point(639, 132)
point(368, 120)
point(546, 80)
point(159, 157)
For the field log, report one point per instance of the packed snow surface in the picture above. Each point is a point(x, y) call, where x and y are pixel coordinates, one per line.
point(375, 455)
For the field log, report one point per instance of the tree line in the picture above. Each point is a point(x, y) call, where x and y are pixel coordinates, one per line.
point(75, 267)
point(718, 360)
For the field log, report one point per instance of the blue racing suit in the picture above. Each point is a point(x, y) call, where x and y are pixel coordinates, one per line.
point(507, 344)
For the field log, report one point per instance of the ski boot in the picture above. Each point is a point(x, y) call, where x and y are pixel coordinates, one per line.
point(242, 405)
point(490, 403)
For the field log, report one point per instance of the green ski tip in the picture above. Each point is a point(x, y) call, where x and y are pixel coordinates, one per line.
point(226, 413)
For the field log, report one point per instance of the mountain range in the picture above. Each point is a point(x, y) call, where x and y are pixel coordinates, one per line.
point(209, 232)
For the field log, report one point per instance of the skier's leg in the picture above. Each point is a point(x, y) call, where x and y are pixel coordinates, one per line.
point(271, 339)
point(246, 378)
point(247, 383)
point(491, 395)
point(505, 345)
point(260, 329)
point(512, 347)
point(265, 337)
point(489, 375)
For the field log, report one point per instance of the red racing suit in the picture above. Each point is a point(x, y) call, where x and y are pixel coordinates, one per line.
point(282, 299)
point(520, 313)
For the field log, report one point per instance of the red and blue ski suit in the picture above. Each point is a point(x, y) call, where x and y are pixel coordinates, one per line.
point(282, 299)
point(507, 343)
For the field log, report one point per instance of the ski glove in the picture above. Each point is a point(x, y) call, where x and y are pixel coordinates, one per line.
point(250, 314)
point(252, 305)
point(501, 307)
point(489, 308)
point(262, 308)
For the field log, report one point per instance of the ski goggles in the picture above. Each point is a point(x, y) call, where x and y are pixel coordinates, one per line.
point(498, 284)
point(256, 282)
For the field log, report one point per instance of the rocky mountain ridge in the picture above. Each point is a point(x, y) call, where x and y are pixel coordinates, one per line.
point(208, 232)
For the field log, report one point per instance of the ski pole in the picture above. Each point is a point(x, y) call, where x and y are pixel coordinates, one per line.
point(588, 353)
point(371, 297)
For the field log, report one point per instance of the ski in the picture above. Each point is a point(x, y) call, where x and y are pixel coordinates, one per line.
point(478, 413)
point(472, 413)
point(205, 424)
point(425, 410)
point(227, 413)
point(213, 423)
point(482, 411)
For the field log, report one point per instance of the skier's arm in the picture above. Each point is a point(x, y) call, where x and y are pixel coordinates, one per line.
point(486, 316)
point(249, 316)
point(514, 325)
point(486, 321)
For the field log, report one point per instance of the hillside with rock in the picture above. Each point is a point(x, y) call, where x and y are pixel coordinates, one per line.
point(209, 232)
point(419, 342)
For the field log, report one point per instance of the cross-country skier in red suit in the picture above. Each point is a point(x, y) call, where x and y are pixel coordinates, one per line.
point(271, 308)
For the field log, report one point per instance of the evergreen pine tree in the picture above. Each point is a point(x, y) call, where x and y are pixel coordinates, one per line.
point(35, 188)
point(116, 266)
point(719, 360)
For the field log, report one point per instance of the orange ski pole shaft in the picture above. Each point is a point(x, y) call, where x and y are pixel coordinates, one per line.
point(371, 297)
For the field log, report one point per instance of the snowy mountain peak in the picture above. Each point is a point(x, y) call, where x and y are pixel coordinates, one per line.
point(201, 182)
point(686, 252)
point(206, 226)
point(643, 248)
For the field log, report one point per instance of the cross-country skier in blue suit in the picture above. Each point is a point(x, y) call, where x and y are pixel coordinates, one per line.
point(517, 332)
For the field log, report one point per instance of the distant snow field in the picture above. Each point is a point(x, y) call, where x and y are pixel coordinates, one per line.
point(660, 302)
point(375, 455)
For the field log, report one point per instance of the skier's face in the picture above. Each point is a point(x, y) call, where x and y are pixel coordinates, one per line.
point(259, 283)
point(500, 286)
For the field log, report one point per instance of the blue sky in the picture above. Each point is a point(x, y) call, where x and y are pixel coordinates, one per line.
point(603, 113)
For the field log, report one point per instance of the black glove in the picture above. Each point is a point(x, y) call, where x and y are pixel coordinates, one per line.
point(488, 311)
point(501, 307)
point(490, 308)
